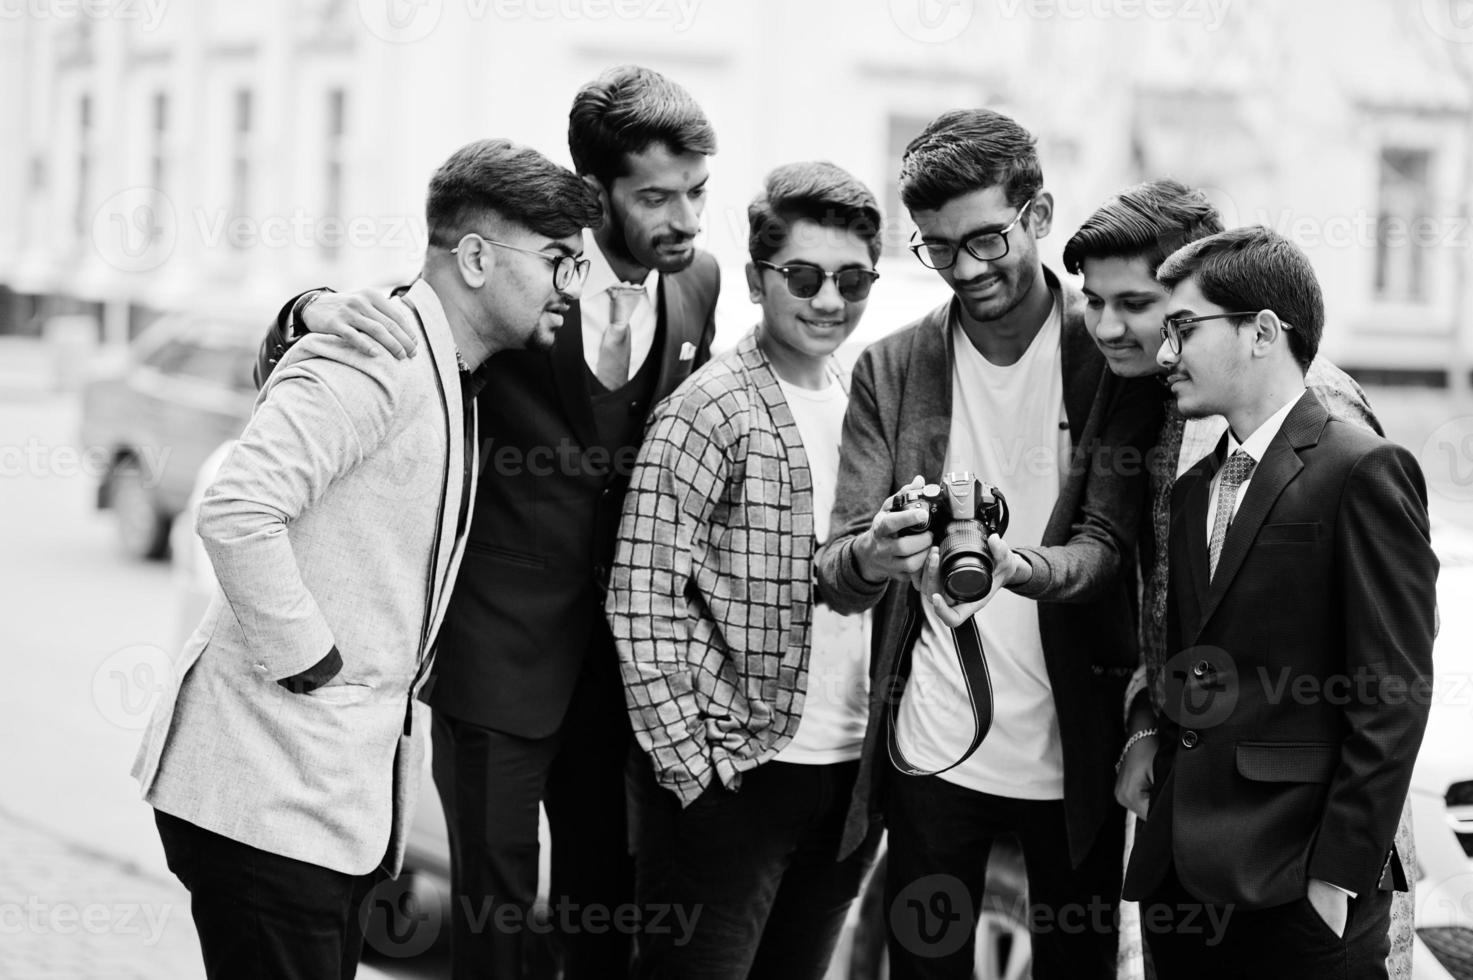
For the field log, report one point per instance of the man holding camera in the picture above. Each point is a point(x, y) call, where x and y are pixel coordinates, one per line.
point(1002, 381)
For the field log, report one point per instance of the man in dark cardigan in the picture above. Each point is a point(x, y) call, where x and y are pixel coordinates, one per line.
point(1003, 379)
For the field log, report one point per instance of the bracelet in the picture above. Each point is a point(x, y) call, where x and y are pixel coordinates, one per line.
point(1139, 736)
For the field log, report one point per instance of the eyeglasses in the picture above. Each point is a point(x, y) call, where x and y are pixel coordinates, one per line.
point(804, 281)
point(567, 271)
point(986, 246)
point(1173, 334)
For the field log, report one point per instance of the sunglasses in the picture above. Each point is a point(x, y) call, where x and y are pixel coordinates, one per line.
point(804, 281)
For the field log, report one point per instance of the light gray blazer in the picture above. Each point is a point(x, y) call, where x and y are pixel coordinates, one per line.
point(331, 522)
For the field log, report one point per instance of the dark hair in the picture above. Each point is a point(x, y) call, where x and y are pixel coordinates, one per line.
point(625, 110)
point(1254, 268)
point(1148, 221)
point(817, 191)
point(968, 150)
point(512, 181)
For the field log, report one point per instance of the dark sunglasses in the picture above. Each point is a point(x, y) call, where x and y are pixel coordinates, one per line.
point(804, 281)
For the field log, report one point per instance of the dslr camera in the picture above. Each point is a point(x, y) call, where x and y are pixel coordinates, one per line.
point(962, 511)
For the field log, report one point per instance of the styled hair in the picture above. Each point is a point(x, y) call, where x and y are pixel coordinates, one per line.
point(1147, 221)
point(624, 111)
point(817, 191)
point(1254, 268)
point(513, 182)
point(968, 150)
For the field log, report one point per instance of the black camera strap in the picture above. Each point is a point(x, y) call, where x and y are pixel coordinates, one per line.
point(967, 642)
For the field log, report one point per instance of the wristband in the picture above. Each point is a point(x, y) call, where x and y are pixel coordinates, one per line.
point(1139, 736)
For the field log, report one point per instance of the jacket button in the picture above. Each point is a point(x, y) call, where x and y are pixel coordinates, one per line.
point(1189, 739)
point(1202, 669)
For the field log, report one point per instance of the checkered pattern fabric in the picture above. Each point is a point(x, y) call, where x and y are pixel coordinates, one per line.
point(710, 600)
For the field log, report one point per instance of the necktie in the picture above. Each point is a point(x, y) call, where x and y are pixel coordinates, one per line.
point(613, 350)
point(1234, 473)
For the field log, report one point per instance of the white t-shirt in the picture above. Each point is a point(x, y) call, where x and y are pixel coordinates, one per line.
point(1009, 428)
point(835, 709)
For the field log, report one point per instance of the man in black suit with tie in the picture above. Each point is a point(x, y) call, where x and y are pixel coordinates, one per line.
point(527, 698)
point(1300, 619)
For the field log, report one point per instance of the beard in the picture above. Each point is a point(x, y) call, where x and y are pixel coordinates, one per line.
point(646, 255)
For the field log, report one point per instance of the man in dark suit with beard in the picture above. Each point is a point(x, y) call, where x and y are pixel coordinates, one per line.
point(1300, 611)
point(528, 701)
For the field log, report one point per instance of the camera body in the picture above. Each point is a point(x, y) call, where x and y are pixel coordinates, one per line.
point(962, 511)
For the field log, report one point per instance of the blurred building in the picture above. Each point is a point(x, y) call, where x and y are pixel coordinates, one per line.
point(160, 154)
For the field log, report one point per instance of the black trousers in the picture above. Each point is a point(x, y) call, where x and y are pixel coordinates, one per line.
point(747, 883)
point(940, 837)
point(490, 784)
point(1189, 939)
point(261, 916)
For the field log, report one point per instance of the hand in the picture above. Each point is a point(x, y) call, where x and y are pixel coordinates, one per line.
point(1136, 779)
point(884, 552)
point(1007, 567)
point(1332, 904)
point(369, 320)
point(724, 731)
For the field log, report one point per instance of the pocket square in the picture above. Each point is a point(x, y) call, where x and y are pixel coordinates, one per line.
point(687, 351)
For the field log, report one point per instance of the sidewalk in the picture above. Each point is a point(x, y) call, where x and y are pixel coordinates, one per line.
point(70, 913)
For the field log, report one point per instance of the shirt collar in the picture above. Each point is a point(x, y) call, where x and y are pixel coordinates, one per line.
point(1257, 444)
point(601, 275)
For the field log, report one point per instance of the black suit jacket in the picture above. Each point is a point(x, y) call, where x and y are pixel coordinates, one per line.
point(1299, 686)
point(528, 602)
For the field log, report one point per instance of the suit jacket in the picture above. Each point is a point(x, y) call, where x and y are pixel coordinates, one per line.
point(332, 522)
point(898, 425)
point(1298, 692)
point(530, 603)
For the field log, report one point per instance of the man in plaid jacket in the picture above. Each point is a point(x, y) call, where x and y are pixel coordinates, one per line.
point(748, 696)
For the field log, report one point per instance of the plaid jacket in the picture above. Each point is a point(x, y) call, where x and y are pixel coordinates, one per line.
point(710, 600)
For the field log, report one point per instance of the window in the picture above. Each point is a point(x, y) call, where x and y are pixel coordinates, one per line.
point(81, 219)
point(1404, 232)
point(902, 129)
point(332, 208)
point(240, 160)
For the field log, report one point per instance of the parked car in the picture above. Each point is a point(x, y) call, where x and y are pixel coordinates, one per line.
point(185, 387)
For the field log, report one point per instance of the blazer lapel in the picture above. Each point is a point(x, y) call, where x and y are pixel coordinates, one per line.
point(1280, 464)
point(1192, 521)
point(672, 309)
point(571, 374)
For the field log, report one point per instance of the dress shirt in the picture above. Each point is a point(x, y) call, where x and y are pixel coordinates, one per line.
point(1255, 445)
point(595, 304)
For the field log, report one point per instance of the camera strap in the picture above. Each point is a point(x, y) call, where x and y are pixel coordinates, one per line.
point(967, 642)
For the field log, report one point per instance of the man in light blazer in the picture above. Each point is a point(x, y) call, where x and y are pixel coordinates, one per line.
point(1300, 611)
point(528, 704)
point(284, 769)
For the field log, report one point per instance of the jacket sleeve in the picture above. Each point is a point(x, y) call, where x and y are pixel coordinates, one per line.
point(667, 537)
point(866, 468)
point(319, 417)
point(1387, 584)
point(1105, 534)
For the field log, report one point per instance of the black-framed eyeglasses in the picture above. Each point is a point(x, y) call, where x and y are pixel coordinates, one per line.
point(1173, 333)
point(804, 281)
point(567, 270)
point(986, 246)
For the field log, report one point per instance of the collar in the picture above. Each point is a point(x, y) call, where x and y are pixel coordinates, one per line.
point(1257, 444)
point(601, 275)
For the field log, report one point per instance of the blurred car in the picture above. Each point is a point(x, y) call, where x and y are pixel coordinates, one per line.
point(185, 387)
point(1442, 783)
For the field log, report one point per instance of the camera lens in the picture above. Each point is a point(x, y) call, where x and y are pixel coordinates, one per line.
point(966, 564)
